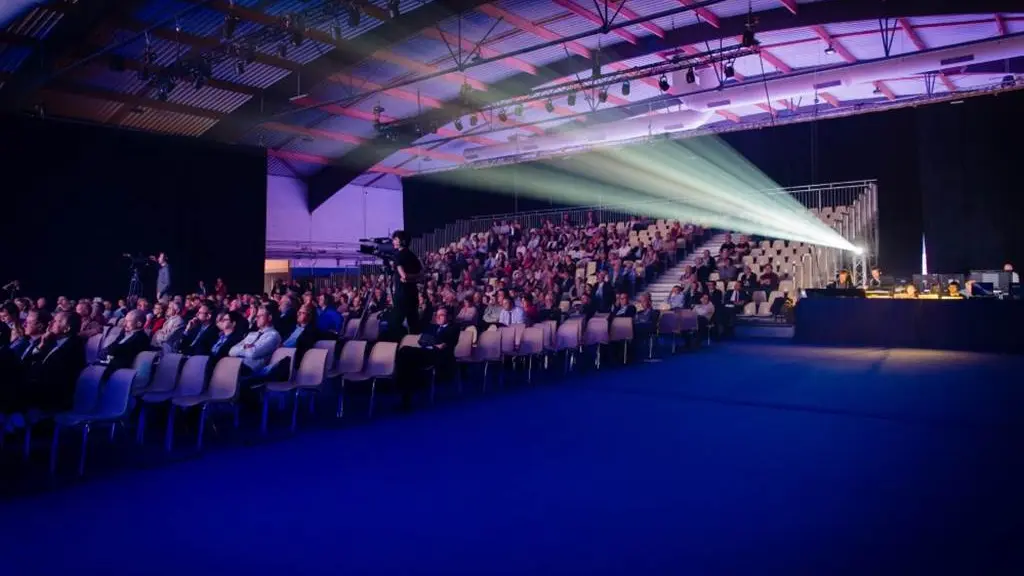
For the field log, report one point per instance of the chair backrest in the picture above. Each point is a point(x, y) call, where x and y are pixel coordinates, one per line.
point(464, 347)
point(351, 329)
point(488, 347)
point(353, 356)
point(568, 336)
point(112, 336)
point(533, 341)
point(143, 366)
point(410, 340)
point(313, 368)
point(472, 332)
point(371, 331)
point(508, 339)
point(687, 320)
point(548, 327)
point(596, 332)
point(87, 389)
point(92, 348)
point(192, 379)
point(668, 323)
point(281, 354)
point(115, 394)
point(332, 352)
point(382, 359)
point(166, 377)
point(621, 329)
point(224, 382)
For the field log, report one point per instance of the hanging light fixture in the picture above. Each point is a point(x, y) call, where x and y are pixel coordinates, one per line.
point(625, 88)
point(663, 83)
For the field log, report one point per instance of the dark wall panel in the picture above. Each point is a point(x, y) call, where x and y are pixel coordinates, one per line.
point(79, 196)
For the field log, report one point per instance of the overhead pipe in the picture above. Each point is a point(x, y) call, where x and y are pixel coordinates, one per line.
point(706, 96)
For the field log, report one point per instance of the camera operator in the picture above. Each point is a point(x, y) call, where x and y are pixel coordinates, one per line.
point(408, 269)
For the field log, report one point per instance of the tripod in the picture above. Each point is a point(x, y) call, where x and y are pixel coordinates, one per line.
point(134, 286)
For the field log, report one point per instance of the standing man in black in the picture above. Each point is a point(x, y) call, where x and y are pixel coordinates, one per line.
point(407, 273)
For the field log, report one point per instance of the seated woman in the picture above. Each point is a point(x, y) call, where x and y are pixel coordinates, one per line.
point(468, 314)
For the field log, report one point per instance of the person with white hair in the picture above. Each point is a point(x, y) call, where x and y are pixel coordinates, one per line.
point(169, 335)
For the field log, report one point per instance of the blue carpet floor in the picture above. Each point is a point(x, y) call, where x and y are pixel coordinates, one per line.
point(738, 459)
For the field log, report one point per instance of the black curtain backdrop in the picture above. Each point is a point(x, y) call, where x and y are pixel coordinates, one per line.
point(943, 170)
point(78, 196)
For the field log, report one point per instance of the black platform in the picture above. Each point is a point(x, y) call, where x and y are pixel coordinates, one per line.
point(977, 325)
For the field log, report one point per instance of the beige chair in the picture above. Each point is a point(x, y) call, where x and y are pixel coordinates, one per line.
point(749, 309)
point(531, 346)
point(371, 330)
point(509, 343)
point(596, 335)
point(223, 390)
point(190, 382)
point(668, 325)
point(463, 353)
point(110, 408)
point(487, 351)
point(472, 332)
point(87, 389)
point(687, 324)
point(759, 296)
point(309, 378)
point(351, 329)
point(165, 378)
point(621, 330)
point(332, 353)
point(412, 340)
point(112, 335)
point(568, 340)
point(92, 348)
point(379, 366)
point(351, 361)
point(143, 365)
point(282, 353)
point(764, 309)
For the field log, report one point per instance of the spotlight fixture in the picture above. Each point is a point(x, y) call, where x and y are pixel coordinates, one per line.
point(602, 95)
point(519, 110)
point(625, 88)
point(728, 70)
point(830, 50)
point(549, 106)
point(458, 124)
point(297, 38)
point(230, 22)
point(472, 120)
point(282, 50)
point(691, 76)
point(353, 15)
point(502, 115)
point(749, 40)
point(663, 83)
point(394, 8)
point(336, 32)
point(240, 67)
point(571, 99)
point(198, 82)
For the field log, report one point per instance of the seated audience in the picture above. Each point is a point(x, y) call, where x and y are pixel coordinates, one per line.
point(168, 336)
point(705, 312)
point(200, 333)
point(257, 346)
point(510, 313)
point(328, 318)
point(436, 350)
point(122, 352)
point(622, 308)
point(52, 366)
point(305, 335)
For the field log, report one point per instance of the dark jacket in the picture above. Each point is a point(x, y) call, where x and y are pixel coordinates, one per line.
point(51, 374)
point(199, 342)
point(123, 352)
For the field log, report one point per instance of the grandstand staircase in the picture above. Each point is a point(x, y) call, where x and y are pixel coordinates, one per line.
point(662, 286)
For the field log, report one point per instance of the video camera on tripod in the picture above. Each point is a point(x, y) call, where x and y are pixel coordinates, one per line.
point(379, 247)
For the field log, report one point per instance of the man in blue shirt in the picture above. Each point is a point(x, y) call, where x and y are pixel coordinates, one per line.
point(163, 277)
point(328, 320)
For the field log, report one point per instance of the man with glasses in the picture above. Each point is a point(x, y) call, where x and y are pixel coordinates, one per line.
point(200, 333)
point(257, 346)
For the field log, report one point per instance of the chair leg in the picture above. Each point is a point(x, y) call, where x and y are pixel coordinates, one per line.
point(341, 400)
point(202, 427)
point(85, 450)
point(113, 430)
point(27, 448)
point(625, 352)
point(237, 409)
point(263, 421)
point(169, 435)
point(433, 384)
point(295, 408)
point(140, 432)
point(373, 396)
point(54, 445)
point(529, 370)
point(484, 389)
point(312, 403)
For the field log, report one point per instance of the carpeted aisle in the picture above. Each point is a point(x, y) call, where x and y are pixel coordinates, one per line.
point(739, 459)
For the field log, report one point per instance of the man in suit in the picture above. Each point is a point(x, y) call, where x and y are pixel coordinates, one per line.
point(732, 305)
point(305, 334)
point(14, 360)
point(604, 293)
point(436, 350)
point(54, 364)
point(133, 340)
point(200, 333)
point(232, 331)
point(622, 308)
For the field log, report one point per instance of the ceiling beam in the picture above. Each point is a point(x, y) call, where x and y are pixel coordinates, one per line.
point(836, 45)
point(578, 10)
point(789, 104)
point(75, 24)
point(919, 45)
point(352, 139)
point(535, 29)
point(789, 5)
point(704, 14)
point(400, 93)
point(1000, 25)
point(811, 14)
point(130, 100)
point(324, 161)
point(884, 89)
point(485, 52)
point(832, 100)
point(728, 115)
point(775, 61)
point(651, 27)
point(768, 109)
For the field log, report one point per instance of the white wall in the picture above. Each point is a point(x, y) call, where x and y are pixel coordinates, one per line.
point(352, 213)
point(287, 214)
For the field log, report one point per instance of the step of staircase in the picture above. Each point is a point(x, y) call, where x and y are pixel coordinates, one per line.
point(662, 286)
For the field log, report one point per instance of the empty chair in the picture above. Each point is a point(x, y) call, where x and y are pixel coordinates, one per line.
point(759, 296)
point(379, 366)
point(112, 335)
point(371, 331)
point(668, 325)
point(191, 381)
point(222, 390)
point(165, 377)
point(596, 334)
point(750, 309)
point(764, 309)
point(309, 378)
point(472, 332)
point(687, 322)
point(351, 359)
point(279, 355)
point(786, 286)
point(508, 341)
point(487, 350)
point(351, 331)
point(110, 407)
point(92, 348)
point(531, 345)
point(143, 365)
point(621, 330)
point(332, 353)
point(87, 389)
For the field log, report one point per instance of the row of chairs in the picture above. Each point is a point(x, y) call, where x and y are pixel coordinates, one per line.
point(183, 383)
